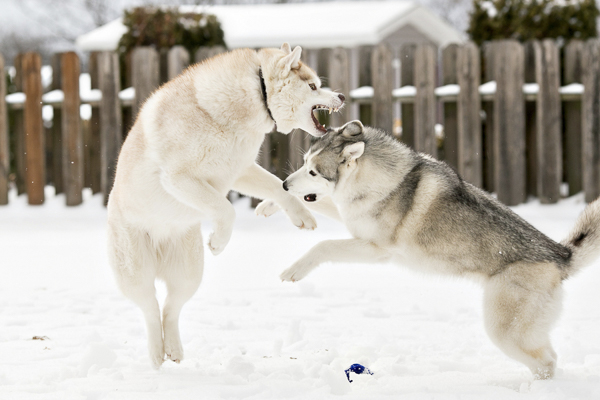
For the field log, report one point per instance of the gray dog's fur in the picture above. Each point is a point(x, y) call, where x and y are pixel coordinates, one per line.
point(407, 207)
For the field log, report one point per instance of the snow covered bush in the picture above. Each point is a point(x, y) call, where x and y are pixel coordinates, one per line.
point(167, 27)
point(532, 19)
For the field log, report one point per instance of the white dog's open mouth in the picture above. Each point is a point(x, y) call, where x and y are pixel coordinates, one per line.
point(320, 107)
point(310, 197)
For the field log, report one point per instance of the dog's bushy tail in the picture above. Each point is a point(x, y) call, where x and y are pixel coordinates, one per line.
point(584, 239)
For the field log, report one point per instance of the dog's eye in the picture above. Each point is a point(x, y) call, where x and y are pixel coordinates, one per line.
point(312, 86)
point(313, 173)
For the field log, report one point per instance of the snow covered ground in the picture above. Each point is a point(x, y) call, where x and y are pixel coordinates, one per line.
point(247, 335)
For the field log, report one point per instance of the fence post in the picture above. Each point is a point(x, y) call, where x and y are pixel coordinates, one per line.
point(590, 121)
point(469, 141)
point(4, 150)
point(72, 139)
point(57, 159)
point(94, 153)
point(109, 83)
point(364, 112)
point(264, 160)
point(531, 142)
point(178, 60)
point(549, 122)
point(407, 78)
point(19, 132)
point(339, 80)
point(145, 75)
point(425, 70)
point(488, 131)
point(35, 170)
point(204, 53)
point(297, 147)
point(163, 65)
point(381, 67)
point(449, 77)
point(509, 123)
point(572, 114)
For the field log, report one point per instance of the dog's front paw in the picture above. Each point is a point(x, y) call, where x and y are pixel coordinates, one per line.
point(296, 272)
point(217, 241)
point(300, 216)
point(223, 226)
point(266, 208)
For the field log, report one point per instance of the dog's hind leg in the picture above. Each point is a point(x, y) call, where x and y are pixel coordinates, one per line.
point(181, 270)
point(521, 305)
point(133, 259)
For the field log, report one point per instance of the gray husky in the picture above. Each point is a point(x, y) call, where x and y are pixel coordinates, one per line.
point(406, 207)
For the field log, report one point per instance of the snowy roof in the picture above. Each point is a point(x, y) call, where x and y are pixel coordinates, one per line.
point(312, 25)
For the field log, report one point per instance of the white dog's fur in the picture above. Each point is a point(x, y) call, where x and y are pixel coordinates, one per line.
point(195, 139)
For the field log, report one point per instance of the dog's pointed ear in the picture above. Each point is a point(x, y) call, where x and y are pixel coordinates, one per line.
point(353, 151)
point(352, 128)
point(292, 60)
point(286, 48)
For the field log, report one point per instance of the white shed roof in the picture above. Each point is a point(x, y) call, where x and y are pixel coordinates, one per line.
point(312, 25)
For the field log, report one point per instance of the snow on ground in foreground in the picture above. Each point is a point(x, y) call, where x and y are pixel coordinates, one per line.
point(247, 335)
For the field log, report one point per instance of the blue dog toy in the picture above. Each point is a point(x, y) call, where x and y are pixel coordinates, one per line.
point(357, 369)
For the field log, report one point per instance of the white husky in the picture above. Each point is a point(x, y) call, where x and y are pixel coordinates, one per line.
point(196, 138)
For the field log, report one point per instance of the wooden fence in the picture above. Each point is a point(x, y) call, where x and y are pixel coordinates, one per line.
point(517, 120)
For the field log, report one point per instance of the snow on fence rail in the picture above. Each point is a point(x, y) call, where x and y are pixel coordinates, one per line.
point(505, 135)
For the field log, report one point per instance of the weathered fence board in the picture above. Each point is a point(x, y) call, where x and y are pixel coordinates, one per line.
point(572, 117)
point(145, 75)
point(57, 174)
point(488, 126)
point(4, 150)
point(531, 120)
point(469, 140)
point(264, 160)
point(19, 133)
point(450, 109)
point(281, 143)
point(178, 60)
point(339, 81)
point(110, 118)
point(407, 78)
point(381, 66)
point(93, 154)
point(204, 53)
point(298, 144)
point(72, 139)
point(35, 171)
point(590, 123)
point(509, 124)
point(549, 122)
point(365, 78)
point(425, 101)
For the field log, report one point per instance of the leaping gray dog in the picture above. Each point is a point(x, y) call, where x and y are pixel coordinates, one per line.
point(406, 207)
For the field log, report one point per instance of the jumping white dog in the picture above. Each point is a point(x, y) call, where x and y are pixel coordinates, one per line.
point(195, 139)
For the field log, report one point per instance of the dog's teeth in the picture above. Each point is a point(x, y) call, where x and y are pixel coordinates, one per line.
point(330, 109)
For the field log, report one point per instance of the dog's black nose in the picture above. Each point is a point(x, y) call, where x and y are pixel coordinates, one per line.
point(285, 186)
point(342, 97)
